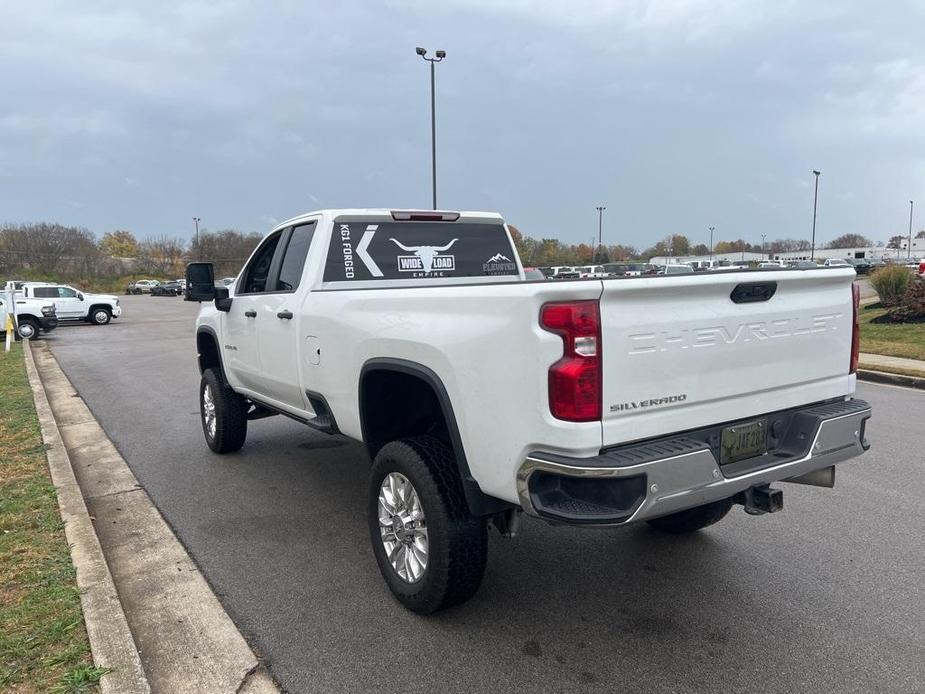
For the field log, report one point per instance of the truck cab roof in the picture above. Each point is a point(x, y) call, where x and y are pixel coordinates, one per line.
point(398, 215)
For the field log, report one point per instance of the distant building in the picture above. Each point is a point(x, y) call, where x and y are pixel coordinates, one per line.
point(731, 257)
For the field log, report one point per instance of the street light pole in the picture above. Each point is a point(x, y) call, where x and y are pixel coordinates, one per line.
point(762, 243)
point(600, 232)
point(196, 220)
point(909, 254)
point(812, 253)
point(439, 56)
point(711, 244)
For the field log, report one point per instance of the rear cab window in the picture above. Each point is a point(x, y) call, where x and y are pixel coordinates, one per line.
point(412, 250)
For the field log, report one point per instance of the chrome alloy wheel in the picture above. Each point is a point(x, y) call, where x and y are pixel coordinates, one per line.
point(403, 527)
point(208, 410)
point(100, 317)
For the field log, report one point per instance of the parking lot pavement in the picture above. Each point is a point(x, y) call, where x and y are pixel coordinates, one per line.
point(825, 596)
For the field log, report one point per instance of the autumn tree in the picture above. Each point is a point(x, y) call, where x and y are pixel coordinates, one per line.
point(679, 245)
point(621, 253)
point(119, 244)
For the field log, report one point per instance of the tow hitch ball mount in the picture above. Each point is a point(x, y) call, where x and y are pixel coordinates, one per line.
point(762, 499)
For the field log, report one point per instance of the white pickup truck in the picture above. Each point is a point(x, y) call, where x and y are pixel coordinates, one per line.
point(479, 394)
point(31, 316)
point(74, 305)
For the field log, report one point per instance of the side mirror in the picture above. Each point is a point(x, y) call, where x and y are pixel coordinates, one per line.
point(200, 282)
point(222, 300)
point(80, 296)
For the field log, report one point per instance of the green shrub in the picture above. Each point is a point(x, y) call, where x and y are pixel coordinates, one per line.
point(891, 283)
point(911, 305)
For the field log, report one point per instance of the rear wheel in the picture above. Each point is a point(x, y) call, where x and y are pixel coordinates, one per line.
point(100, 315)
point(223, 413)
point(431, 551)
point(693, 519)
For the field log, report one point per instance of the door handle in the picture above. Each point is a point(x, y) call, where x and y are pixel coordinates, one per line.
point(284, 315)
point(250, 314)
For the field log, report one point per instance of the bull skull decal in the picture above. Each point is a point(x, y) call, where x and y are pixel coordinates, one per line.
point(425, 253)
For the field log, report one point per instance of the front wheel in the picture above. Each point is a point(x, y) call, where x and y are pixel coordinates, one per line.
point(431, 551)
point(223, 413)
point(100, 316)
point(693, 519)
point(27, 329)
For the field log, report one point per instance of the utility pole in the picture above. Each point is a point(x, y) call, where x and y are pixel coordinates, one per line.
point(440, 55)
point(911, 204)
point(711, 244)
point(812, 254)
point(600, 232)
point(196, 221)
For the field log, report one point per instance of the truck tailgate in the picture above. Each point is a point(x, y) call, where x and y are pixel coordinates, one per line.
point(679, 353)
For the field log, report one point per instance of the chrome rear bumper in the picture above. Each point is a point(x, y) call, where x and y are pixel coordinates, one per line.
point(661, 477)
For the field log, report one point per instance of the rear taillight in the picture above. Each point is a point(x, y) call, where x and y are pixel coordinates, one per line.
point(855, 328)
point(575, 380)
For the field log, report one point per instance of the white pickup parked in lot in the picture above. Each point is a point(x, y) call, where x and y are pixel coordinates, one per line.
point(478, 394)
point(73, 304)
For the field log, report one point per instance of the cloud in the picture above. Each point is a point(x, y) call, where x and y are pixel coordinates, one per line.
point(676, 114)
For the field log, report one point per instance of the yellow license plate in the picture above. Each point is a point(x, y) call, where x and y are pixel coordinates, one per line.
point(743, 441)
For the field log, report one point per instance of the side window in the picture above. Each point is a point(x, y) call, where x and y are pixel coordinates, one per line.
point(255, 276)
point(290, 272)
point(45, 292)
point(67, 293)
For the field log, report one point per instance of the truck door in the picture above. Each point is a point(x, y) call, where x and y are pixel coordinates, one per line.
point(281, 322)
point(240, 355)
point(69, 303)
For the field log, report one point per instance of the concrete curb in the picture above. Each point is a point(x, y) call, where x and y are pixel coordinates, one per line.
point(111, 639)
point(891, 379)
point(186, 640)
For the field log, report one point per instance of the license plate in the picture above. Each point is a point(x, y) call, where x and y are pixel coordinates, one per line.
point(743, 441)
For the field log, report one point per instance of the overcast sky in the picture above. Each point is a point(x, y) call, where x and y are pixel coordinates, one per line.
point(676, 115)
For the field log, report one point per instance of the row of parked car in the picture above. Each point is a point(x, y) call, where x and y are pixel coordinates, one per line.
point(39, 307)
point(862, 266)
point(165, 288)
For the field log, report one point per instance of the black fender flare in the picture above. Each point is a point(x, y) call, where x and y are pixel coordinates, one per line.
point(207, 330)
point(480, 504)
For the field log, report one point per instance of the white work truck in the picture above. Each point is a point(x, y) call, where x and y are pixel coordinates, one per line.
point(479, 394)
point(72, 304)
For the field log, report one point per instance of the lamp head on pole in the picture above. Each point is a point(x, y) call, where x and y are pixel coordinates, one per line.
point(438, 55)
point(816, 172)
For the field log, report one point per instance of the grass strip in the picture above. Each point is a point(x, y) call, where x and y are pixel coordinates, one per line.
point(43, 642)
point(890, 339)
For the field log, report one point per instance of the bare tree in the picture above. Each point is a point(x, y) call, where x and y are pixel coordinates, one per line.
point(228, 249)
point(162, 256)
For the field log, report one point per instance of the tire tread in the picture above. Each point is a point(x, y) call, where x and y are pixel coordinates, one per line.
point(230, 412)
point(456, 575)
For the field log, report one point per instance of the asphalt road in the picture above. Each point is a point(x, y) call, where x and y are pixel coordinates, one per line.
point(826, 596)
